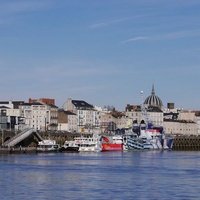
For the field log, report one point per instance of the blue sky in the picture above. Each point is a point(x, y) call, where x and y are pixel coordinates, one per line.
point(101, 51)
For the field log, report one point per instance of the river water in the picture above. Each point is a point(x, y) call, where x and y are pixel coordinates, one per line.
point(105, 175)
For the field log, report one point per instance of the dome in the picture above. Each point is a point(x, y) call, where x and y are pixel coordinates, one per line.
point(153, 100)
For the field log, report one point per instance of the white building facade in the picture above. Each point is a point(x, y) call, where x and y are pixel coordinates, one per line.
point(39, 116)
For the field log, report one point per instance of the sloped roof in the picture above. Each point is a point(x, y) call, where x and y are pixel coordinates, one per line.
point(4, 102)
point(17, 103)
point(53, 106)
point(136, 108)
point(30, 104)
point(67, 112)
point(82, 104)
point(1, 107)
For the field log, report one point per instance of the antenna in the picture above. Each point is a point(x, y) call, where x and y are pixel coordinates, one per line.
point(143, 109)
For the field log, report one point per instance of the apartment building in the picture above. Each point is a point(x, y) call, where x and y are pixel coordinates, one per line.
point(39, 116)
point(180, 122)
point(10, 115)
point(67, 121)
point(87, 116)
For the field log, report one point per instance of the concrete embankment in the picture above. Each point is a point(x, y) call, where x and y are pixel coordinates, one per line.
point(18, 150)
point(187, 143)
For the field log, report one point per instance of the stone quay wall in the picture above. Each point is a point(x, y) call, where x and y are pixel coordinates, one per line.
point(187, 143)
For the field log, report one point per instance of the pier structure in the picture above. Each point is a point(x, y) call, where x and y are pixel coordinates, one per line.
point(24, 141)
point(187, 142)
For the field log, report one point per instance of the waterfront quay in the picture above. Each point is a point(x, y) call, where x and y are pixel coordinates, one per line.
point(181, 142)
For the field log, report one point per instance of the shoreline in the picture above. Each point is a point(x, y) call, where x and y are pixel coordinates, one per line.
point(22, 150)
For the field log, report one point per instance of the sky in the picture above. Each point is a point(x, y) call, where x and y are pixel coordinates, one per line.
point(102, 51)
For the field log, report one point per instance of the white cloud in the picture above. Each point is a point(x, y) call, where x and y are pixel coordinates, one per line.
point(135, 39)
point(167, 36)
point(180, 34)
point(98, 25)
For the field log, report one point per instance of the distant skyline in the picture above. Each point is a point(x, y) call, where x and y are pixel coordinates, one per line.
point(103, 52)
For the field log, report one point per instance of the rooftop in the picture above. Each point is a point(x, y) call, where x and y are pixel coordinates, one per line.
point(82, 104)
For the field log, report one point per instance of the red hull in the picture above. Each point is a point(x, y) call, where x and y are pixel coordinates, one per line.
point(112, 147)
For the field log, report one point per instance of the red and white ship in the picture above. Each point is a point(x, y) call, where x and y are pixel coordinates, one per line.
point(112, 143)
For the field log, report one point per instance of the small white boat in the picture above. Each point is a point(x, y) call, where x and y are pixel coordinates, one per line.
point(47, 146)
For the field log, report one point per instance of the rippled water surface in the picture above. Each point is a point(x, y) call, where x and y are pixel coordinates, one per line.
point(106, 175)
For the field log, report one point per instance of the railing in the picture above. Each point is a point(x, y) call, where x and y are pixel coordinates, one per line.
point(19, 137)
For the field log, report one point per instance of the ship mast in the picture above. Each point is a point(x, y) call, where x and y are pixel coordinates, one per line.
point(144, 114)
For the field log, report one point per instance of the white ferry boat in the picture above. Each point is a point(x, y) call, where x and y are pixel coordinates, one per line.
point(83, 143)
point(91, 143)
point(47, 146)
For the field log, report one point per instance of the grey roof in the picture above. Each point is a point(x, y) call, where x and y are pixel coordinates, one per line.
point(153, 109)
point(30, 104)
point(4, 102)
point(82, 104)
point(4, 107)
point(53, 106)
point(17, 103)
point(67, 112)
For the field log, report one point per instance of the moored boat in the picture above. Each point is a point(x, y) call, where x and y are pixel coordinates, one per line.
point(83, 143)
point(147, 137)
point(112, 143)
point(91, 143)
point(47, 146)
point(70, 146)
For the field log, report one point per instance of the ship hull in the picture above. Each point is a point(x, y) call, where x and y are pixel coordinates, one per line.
point(112, 147)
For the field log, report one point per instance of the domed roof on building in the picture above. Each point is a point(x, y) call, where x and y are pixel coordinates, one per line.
point(153, 100)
